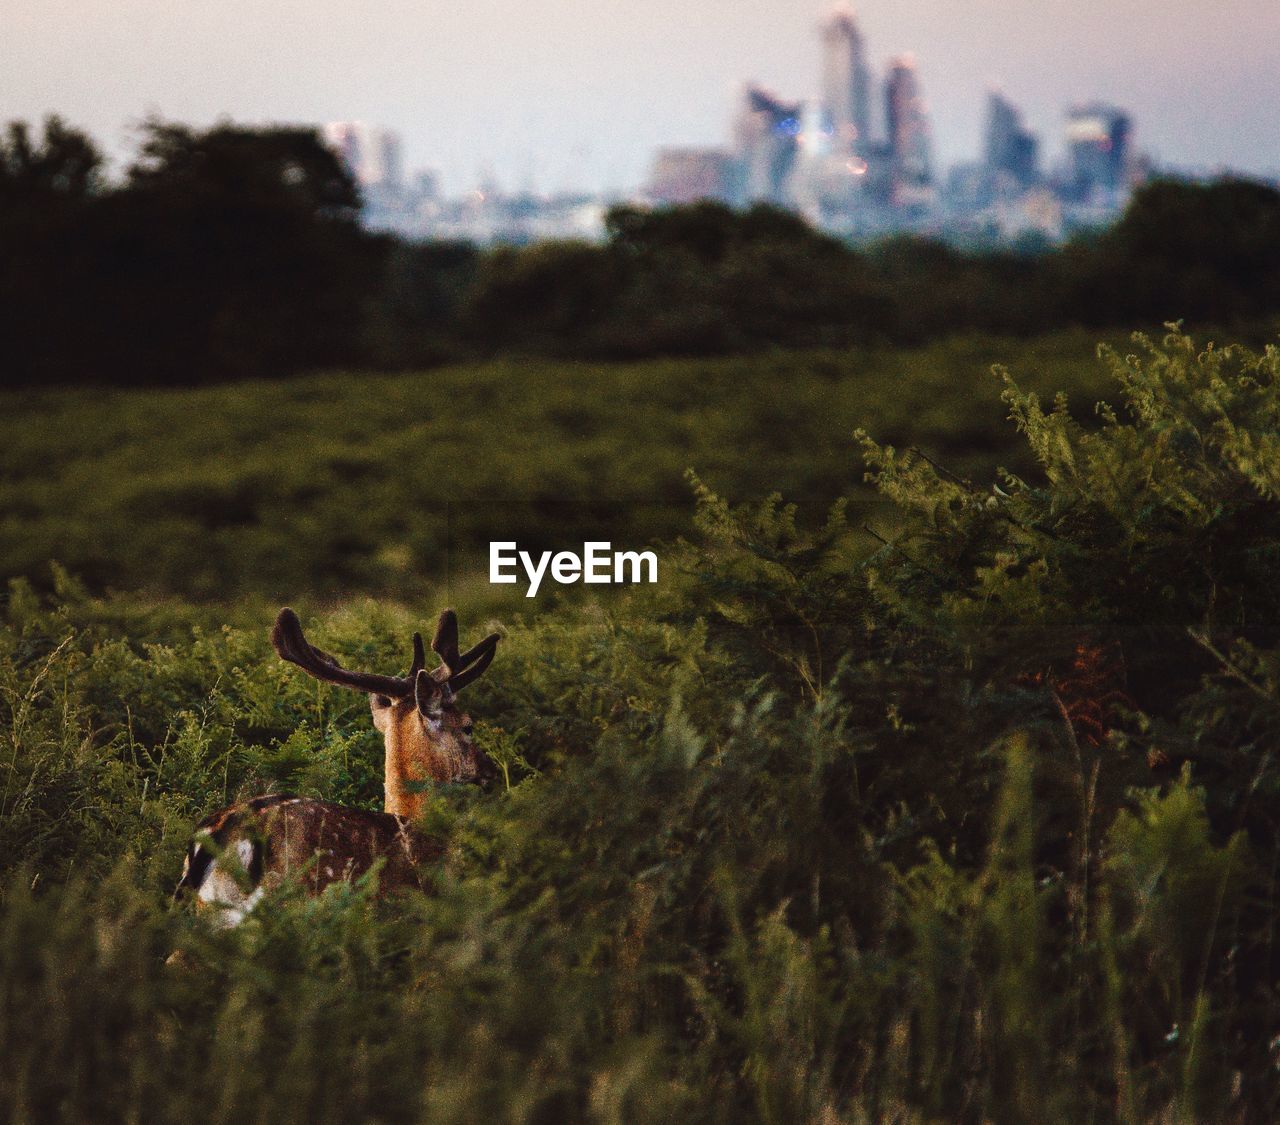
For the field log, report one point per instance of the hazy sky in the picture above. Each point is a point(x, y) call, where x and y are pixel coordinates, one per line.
point(557, 93)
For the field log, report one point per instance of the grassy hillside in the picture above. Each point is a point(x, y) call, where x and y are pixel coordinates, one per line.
point(977, 824)
point(373, 484)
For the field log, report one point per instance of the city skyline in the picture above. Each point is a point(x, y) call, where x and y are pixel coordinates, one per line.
point(572, 95)
point(829, 160)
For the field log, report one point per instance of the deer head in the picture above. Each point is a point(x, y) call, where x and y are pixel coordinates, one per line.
point(427, 735)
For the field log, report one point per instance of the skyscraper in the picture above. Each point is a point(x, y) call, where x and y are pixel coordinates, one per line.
point(846, 84)
point(685, 175)
point(1012, 152)
point(371, 154)
point(765, 134)
point(1098, 142)
point(908, 127)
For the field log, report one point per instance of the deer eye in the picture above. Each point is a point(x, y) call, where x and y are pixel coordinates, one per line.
point(467, 727)
point(381, 701)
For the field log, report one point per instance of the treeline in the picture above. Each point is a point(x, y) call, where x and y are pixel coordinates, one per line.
point(237, 252)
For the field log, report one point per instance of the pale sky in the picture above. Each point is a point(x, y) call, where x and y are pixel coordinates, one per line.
point(562, 93)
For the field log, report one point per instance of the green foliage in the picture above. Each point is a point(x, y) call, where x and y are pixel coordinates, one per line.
point(973, 822)
point(1170, 878)
point(380, 484)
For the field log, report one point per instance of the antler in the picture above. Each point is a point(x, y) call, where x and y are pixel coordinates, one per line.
point(474, 661)
point(460, 669)
point(291, 645)
point(445, 644)
point(456, 670)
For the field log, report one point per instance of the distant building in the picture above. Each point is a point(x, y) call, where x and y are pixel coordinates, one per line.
point(374, 158)
point(489, 217)
point(846, 85)
point(1035, 214)
point(426, 187)
point(908, 133)
point(685, 175)
point(1012, 153)
point(1099, 139)
point(765, 135)
point(822, 185)
point(372, 155)
point(343, 138)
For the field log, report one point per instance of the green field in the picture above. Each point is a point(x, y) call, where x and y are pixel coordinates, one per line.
point(356, 485)
point(971, 816)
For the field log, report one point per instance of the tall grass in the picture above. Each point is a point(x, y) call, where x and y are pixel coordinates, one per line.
point(977, 825)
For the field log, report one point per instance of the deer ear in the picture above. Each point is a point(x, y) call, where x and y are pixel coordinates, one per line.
point(379, 713)
point(430, 693)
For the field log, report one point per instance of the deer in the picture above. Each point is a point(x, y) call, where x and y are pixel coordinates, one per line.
point(240, 852)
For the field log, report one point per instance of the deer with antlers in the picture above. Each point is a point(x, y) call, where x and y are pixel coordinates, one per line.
point(240, 852)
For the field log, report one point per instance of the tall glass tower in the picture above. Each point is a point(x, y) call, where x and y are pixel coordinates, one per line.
point(1011, 151)
point(846, 84)
point(1098, 143)
point(908, 125)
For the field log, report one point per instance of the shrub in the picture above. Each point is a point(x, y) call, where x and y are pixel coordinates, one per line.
point(978, 824)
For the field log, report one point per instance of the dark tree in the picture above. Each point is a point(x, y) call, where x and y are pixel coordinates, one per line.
point(247, 243)
point(285, 169)
point(225, 253)
point(1207, 252)
point(65, 165)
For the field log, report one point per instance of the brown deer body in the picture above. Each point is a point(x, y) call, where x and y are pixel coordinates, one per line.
point(246, 849)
